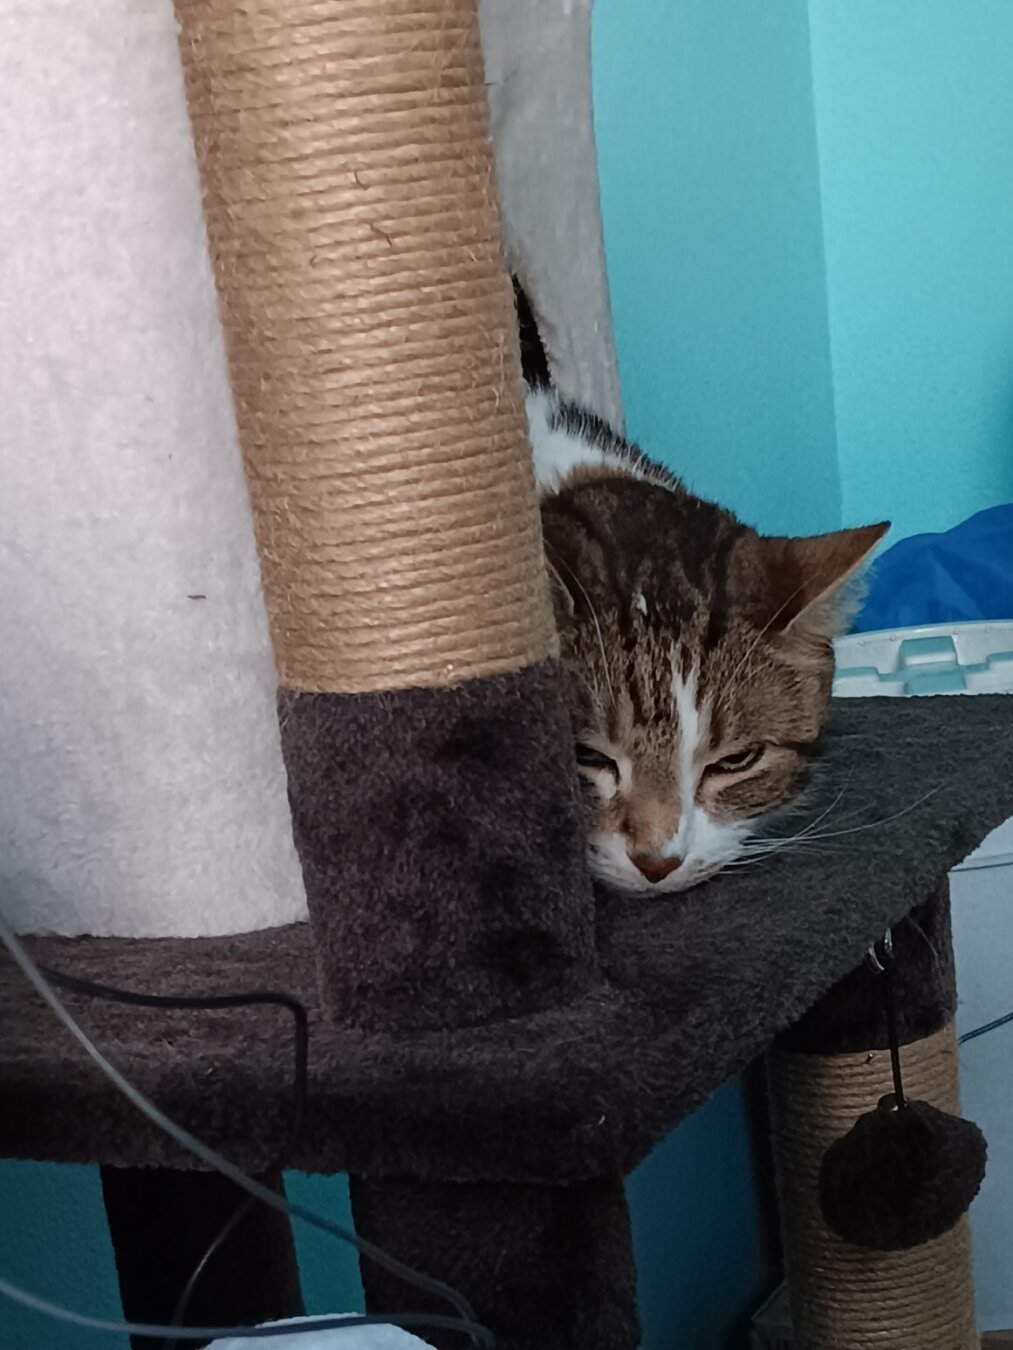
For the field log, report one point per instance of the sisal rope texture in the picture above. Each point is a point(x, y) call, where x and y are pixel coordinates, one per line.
point(351, 208)
point(845, 1297)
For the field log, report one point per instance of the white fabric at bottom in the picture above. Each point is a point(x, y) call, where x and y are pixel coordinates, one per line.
point(143, 791)
point(337, 1338)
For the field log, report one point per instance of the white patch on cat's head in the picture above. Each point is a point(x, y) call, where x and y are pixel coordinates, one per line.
point(558, 450)
point(702, 844)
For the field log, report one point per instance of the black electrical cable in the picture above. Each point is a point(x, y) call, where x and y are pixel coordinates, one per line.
point(215, 1245)
point(466, 1321)
point(300, 1075)
point(989, 1026)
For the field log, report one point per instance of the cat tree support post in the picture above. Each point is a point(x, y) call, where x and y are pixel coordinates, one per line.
point(832, 1067)
point(351, 208)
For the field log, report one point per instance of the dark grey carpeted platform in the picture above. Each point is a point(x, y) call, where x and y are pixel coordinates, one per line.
point(691, 990)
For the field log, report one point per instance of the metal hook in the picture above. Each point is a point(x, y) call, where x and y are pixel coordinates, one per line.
point(881, 964)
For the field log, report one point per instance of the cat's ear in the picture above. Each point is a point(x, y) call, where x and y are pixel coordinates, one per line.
point(813, 585)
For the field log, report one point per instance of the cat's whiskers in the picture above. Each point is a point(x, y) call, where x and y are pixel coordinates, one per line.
point(886, 820)
point(594, 616)
point(774, 843)
point(756, 854)
point(756, 851)
point(754, 860)
point(751, 649)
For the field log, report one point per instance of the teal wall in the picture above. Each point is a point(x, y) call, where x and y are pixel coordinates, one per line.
point(54, 1242)
point(711, 204)
point(914, 115)
point(808, 211)
point(700, 1230)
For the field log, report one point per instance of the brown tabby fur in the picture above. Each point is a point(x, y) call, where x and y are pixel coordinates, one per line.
point(652, 581)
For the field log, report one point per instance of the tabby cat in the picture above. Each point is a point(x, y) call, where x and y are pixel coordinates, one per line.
point(698, 652)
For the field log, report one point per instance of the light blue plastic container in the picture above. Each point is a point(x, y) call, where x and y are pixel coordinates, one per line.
point(962, 658)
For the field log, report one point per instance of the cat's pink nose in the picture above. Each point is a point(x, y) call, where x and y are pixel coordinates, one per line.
point(653, 867)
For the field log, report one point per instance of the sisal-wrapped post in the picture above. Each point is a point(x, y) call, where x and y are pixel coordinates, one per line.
point(830, 1070)
point(351, 210)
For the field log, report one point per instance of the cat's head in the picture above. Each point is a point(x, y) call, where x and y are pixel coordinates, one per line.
point(700, 661)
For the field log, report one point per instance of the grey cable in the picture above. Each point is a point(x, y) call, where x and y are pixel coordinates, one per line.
point(215, 1160)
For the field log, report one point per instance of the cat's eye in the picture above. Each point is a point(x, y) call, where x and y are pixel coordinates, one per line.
point(590, 758)
point(738, 761)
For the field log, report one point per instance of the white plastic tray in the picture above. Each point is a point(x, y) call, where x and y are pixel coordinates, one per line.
point(963, 658)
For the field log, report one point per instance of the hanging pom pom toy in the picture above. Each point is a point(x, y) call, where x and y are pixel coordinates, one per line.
point(906, 1171)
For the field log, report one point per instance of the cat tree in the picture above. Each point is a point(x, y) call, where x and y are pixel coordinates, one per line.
point(493, 1047)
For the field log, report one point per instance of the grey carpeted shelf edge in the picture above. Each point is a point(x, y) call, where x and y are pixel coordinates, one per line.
point(691, 990)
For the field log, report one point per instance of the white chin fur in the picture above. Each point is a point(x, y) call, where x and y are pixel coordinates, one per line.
point(711, 844)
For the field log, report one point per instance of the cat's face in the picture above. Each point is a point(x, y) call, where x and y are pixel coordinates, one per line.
point(700, 664)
